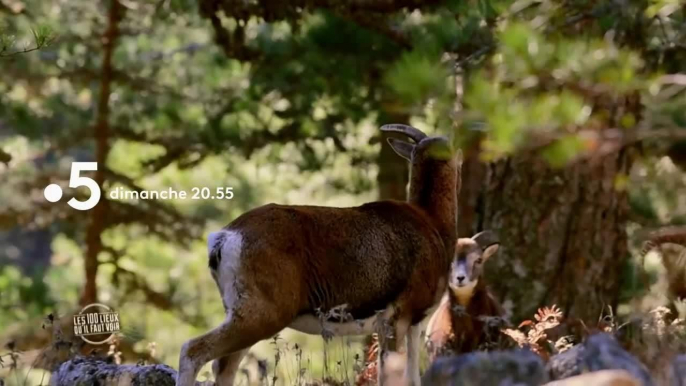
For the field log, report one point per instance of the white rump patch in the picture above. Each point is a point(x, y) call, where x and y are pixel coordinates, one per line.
point(213, 239)
point(231, 244)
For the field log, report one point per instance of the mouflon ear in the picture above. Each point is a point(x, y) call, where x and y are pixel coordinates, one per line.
point(488, 242)
point(485, 239)
point(490, 251)
point(402, 148)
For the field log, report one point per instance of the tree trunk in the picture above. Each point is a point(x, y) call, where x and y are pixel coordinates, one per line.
point(562, 231)
point(101, 133)
point(473, 174)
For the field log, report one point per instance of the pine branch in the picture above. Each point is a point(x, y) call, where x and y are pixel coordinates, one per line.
point(167, 227)
point(371, 14)
point(379, 23)
point(293, 9)
point(42, 37)
point(160, 300)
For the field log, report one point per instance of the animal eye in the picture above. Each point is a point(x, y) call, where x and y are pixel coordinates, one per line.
point(479, 260)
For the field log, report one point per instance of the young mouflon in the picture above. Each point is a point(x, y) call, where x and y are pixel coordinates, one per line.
point(279, 266)
point(458, 323)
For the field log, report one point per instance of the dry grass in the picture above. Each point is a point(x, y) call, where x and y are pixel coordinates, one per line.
point(655, 338)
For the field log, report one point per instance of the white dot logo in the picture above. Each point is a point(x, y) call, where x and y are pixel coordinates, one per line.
point(52, 192)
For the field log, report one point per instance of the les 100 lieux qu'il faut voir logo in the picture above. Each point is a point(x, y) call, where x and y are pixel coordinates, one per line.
point(96, 323)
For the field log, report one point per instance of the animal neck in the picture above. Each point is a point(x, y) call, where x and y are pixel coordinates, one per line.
point(434, 187)
point(463, 295)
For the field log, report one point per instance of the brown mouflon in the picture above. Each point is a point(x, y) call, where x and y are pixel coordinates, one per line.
point(281, 266)
point(458, 323)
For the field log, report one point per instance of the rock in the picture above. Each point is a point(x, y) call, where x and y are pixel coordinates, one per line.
point(566, 364)
point(599, 352)
point(599, 378)
point(90, 371)
point(496, 368)
point(678, 371)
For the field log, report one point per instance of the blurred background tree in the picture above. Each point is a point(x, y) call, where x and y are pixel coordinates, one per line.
point(551, 125)
point(570, 115)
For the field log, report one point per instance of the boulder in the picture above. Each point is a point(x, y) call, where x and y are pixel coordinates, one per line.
point(678, 371)
point(599, 352)
point(495, 368)
point(89, 371)
point(599, 378)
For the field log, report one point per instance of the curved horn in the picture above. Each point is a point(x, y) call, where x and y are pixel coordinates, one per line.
point(410, 131)
point(485, 239)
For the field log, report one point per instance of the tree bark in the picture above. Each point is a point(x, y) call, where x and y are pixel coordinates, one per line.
point(101, 133)
point(473, 174)
point(561, 230)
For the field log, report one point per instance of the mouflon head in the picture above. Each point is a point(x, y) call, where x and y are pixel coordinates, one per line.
point(470, 256)
point(425, 148)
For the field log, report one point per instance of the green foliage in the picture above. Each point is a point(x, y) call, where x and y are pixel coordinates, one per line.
point(43, 36)
point(286, 109)
point(181, 116)
point(21, 297)
point(415, 77)
point(562, 151)
point(538, 87)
